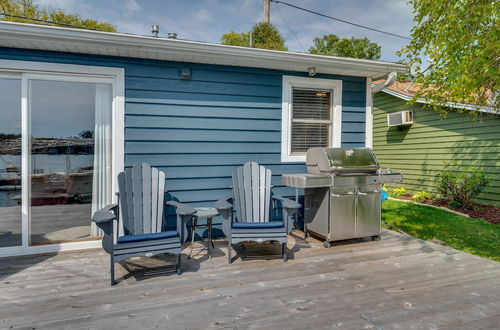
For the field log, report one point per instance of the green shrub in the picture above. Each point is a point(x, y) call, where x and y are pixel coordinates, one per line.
point(461, 184)
point(421, 196)
point(398, 192)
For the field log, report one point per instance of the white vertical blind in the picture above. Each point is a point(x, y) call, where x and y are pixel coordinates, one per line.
point(101, 185)
point(311, 119)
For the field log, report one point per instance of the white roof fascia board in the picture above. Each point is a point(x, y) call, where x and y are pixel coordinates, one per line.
point(43, 37)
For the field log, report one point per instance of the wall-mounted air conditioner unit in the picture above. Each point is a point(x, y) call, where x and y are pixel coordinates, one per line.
point(400, 118)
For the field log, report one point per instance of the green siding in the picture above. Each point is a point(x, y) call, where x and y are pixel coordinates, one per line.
point(422, 150)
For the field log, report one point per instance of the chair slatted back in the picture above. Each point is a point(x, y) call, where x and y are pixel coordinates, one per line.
point(252, 193)
point(142, 190)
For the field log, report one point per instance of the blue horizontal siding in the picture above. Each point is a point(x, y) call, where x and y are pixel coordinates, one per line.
point(201, 111)
point(181, 147)
point(172, 121)
point(206, 135)
point(199, 130)
point(219, 159)
point(205, 87)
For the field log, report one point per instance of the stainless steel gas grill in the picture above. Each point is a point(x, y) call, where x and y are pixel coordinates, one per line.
point(342, 192)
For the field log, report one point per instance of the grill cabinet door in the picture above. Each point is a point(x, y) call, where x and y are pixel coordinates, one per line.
point(368, 212)
point(342, 216)
point(316, 210)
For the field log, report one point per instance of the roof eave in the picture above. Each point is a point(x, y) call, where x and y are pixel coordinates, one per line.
point(468, 107)
point(41, 37)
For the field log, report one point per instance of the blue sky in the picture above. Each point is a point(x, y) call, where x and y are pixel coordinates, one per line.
point(207, 20)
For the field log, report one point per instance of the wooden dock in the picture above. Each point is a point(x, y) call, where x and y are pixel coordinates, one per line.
point(396, 283)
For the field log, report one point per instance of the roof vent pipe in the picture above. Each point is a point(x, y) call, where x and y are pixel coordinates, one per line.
point(391, 79)
point(172, 35)
point(155, 29)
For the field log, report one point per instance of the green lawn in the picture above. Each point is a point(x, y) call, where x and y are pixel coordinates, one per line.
point(474, 236)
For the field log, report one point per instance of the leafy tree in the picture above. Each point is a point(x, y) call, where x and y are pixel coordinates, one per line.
point(236, 39)
point(264, 35)
point(30, 9)
point(332, 45)
point(461, 41)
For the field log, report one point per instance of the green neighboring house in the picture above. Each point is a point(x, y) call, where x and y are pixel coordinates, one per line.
point(422, 149)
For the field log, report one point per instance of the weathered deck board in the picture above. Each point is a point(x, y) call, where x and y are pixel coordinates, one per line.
point(397, 282)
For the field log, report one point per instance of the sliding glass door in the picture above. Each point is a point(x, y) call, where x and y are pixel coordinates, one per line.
point(56, 160)
point(62, 157)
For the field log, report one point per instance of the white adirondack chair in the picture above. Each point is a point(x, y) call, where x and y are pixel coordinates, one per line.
point(141, 198)
point(251, 201)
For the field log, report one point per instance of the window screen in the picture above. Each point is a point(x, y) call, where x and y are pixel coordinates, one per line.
point(311, 119)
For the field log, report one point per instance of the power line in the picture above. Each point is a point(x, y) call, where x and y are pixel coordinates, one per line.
point(340, 20)
point(289, 28)
point(49, 22)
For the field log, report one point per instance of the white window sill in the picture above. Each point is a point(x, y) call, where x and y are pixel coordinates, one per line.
point(293, 158)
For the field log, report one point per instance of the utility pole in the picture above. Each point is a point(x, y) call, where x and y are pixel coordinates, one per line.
point(266, 11)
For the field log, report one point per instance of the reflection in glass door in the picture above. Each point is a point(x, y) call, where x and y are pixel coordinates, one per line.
point(63, 156)
point(10, 161)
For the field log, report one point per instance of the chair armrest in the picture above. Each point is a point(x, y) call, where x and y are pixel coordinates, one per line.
point(184, 213)
point(289, 209)
point(223, 204)
point(287, 203)
point(225, 209)
point(104, 218)
point(105, 214)
point(182, 208)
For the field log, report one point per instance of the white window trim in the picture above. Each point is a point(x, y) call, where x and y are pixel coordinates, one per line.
point(290, 82)
point(67, 72)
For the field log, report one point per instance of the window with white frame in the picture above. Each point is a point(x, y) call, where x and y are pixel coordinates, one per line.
point(311, 116)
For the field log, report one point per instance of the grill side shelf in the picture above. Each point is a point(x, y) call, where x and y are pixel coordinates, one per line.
point(306, 180)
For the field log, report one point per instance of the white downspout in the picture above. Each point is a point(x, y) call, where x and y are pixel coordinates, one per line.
point(391, 79)
point(369, 114)
point(370, 91)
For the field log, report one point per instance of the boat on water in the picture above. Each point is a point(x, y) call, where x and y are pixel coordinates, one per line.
point(54, 180)
point(10, 179)
point(12, 169)
point(60, 188)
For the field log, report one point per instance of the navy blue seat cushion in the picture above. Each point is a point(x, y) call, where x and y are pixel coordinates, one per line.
point(258, 225)
point(147, 237)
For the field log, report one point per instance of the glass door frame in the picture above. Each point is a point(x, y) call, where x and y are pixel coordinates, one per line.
point(72, 73)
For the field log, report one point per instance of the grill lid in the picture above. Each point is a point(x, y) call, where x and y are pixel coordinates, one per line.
point(341, 160)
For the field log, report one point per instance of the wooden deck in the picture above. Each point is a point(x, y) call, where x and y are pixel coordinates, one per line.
point(397, 283)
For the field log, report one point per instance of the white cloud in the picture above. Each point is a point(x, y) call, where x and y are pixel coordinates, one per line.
point(131, 6)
